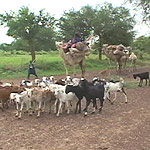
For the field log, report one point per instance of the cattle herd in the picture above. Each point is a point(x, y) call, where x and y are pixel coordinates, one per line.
point(34, 96)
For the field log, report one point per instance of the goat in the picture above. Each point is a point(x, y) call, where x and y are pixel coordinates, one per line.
point(64, 98)
point(26, 83)
point(79, 92)
point(70, 80)
point(21, 99)
point(112, 86)
point(143, 76)
point(92, 92)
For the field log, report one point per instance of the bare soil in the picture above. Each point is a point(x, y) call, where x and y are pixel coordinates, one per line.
point(119, 127)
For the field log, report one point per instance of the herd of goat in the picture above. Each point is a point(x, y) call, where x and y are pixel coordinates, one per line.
point(48, 91)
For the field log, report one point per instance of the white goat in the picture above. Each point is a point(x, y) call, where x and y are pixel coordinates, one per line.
point(117, 86)
point(70, 80)
point(26, 83)
point(20, 100)
point(64, 98)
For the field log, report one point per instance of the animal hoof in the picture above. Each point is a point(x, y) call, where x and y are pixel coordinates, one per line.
point(126, 102)
point(85, 114)
point(57, 115)
point(19, 118)
point(112, 103)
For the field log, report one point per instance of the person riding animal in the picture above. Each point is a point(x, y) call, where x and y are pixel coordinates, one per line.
point(72, 44)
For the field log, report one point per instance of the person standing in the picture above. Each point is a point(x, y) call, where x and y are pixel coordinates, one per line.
point(31, 69)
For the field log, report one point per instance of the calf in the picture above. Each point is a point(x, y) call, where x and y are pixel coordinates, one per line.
point(142, 76)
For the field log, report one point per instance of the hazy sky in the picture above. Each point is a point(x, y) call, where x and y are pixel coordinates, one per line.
point(56, 8)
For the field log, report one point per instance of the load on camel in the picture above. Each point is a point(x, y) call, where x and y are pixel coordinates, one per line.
point(117, 53)
point(74, 55)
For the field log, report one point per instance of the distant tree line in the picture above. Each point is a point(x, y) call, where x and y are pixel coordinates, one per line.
point(34, 32)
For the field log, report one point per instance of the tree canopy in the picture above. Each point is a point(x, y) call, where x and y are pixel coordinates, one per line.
point(145, 6)
point(37, 31)
point(113, 25)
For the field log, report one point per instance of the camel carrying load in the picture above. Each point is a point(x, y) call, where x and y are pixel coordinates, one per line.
point(117, 53)
point(74, 56)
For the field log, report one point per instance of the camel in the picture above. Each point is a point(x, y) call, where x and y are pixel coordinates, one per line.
point(133, 58)
point(75, 56)
point(119, 54)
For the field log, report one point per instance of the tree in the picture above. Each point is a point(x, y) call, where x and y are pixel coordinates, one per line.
point(35, 30)
point(142, 43)
point(75, 21)
point(145, 6)
point(113, 25)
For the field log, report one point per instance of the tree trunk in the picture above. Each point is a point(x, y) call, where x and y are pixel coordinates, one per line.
point(32, 50)
point(100, 49)
point(33, 54)
point(100, 54)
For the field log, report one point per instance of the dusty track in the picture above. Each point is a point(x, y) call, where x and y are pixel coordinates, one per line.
point(119, 127)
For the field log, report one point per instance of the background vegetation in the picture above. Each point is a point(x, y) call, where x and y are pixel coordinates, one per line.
point(14, 64)
point(35, 35)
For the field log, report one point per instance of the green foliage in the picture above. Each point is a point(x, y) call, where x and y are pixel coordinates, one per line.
point(142, 43)
point(49, 63)
point(114, 25)
point(145, 6)
point(31, 32)
point(75, 21)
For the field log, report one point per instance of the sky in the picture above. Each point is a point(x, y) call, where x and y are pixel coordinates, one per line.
point(56, 8)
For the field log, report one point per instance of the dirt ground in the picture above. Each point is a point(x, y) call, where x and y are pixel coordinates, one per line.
point(119, 127)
